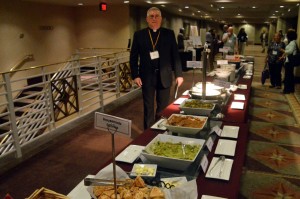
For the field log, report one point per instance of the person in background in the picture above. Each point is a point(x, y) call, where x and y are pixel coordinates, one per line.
point(242, 40)
point(180, 39)
point(264, 40)
point(225, 29)
point(153, 56)
point(275, 61)
point(212, 42)
point(281, 34)
point(230, 41)
point(291, 48)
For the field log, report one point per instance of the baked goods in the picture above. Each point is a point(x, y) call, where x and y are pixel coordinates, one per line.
point(186, 121)
point(156, 193)
point(133, 189)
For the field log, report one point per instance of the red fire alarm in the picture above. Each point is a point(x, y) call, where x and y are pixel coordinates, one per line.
point(102, 6)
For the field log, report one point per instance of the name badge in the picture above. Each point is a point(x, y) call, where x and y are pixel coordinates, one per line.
point(154, 55)
point(274, 52)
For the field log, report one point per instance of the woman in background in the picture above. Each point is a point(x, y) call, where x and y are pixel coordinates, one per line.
point(242, 40)
point(275, 61)
point(291, 48)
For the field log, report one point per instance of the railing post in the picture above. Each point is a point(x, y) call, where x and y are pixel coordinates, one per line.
point(48, 99)
point(117, 76)
point(100, 83)
point(76, 70)
point(12, 115)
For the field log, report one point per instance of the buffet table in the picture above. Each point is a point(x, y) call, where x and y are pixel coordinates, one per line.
point(207, 186)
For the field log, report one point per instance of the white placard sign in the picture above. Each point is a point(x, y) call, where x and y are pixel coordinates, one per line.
point(221, 83)
point(222, 62)
point(204, 163)
point(112, 124)
point(194, 64)
point(230, 57)
point(223, 50)
point(209, 143)
point(217, 130)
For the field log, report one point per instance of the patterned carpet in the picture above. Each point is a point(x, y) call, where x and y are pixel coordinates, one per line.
point(272, 166)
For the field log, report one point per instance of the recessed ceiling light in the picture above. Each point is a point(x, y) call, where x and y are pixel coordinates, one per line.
point(150, 2)
point(80, 4)
point(163, 6)
point(276, 10)
point(289, 10)
point(238, 14)
point(179, 10)
point(199, 11)
point(211, 5)
point(126, 1)
point(253, 7)
point(281, 6)
point(193, 14)
point(186, 7)
point(222, 7)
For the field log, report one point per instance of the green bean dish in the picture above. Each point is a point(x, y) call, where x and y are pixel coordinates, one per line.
point(175, 150)
point(198, 104)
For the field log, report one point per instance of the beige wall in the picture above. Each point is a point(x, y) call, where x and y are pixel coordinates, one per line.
point(108, 29)
point(18, 18)
point(71, 27)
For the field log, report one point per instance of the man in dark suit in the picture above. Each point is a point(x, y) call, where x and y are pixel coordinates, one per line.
point(153, 57)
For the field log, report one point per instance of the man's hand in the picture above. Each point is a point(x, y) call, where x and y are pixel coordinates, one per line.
point(138, 82)
point(179, 81)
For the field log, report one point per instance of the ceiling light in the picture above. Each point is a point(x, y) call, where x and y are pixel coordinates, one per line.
point(163, 6)
point(281, 6)
point(199, 11)
point(193, 14)
point(238, 14)
point(80, 4)
point(186, 7)
point(276, 10)
point(222, 7)
point(289, 10)
point(126, 1)
point(150, 2)
point(179, 10)
point(253, 7)
point(211, 5)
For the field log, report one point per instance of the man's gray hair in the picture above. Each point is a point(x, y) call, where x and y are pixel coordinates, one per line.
point(153, 9)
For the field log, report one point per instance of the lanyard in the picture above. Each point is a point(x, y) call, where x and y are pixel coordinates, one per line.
point(153, 45)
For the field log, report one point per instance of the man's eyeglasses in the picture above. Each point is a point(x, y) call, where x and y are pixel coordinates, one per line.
point(154, 16)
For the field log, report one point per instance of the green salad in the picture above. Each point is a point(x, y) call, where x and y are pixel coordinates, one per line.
point(198, 104)
point(175, 150)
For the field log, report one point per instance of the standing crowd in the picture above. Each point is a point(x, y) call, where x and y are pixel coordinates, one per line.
point(277, 58)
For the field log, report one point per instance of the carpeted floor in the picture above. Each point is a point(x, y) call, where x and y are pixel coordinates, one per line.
point(272, 167)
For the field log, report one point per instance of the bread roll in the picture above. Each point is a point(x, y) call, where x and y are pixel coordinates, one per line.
point(139, 182)
point(156, 193)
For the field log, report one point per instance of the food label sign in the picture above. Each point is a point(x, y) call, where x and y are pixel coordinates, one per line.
point(112, 124)
point(194, 64)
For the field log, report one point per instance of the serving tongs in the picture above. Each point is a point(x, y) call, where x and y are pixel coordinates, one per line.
point(103, 182)
point(221, 160)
